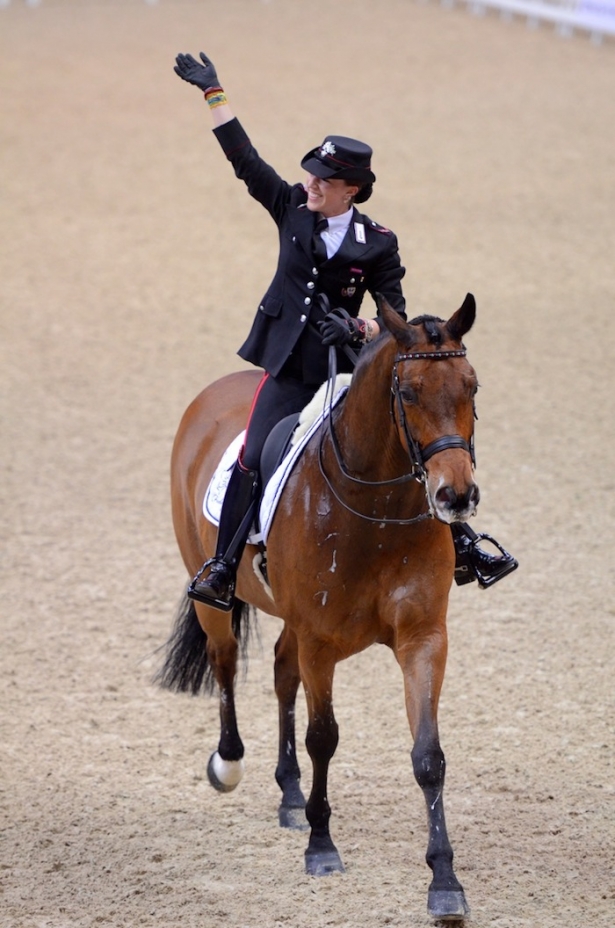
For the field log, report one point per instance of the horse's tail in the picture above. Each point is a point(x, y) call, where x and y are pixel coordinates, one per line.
point(186, 668)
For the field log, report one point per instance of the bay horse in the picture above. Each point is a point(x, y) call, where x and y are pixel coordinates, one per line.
point(359, 552)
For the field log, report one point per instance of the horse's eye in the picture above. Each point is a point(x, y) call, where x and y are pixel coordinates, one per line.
point(409, 396)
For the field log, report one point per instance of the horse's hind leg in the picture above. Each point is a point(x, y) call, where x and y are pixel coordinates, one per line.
point(291, 813)
point(423, 668)
point(225, 768)
point(317, 667)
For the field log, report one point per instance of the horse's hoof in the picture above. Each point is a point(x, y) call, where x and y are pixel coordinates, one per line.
point(292, 817)
point(323, 863)
point(224, 775)
point(447, 905)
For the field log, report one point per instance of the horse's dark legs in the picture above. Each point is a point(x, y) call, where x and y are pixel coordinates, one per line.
point(291, 813)
point(423, 673)
point(321, 856)
point(225, 768)
point(446, 898)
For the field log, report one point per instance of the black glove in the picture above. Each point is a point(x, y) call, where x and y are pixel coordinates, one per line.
point(201, 75)
point(339, 328)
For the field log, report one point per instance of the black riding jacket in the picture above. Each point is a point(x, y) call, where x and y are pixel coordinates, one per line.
point(283, 337)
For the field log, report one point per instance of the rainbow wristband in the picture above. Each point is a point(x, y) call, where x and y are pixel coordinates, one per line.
point(215, 98)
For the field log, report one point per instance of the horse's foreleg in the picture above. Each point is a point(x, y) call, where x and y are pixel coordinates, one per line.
point(291, 813)
point(423, 668)
point(321, 856)
point(225, 768)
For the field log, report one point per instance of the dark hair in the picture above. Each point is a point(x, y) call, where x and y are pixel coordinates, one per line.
point(364, 193)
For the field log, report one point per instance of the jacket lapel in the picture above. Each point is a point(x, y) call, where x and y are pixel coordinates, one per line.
point(302, 223)
point(354, 247)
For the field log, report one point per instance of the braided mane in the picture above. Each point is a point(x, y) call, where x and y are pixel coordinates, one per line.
point(430, 324)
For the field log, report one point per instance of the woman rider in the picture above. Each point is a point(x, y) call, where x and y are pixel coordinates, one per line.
point(327, 249)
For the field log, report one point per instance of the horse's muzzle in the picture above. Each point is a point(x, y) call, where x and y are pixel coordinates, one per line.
point(453, 506)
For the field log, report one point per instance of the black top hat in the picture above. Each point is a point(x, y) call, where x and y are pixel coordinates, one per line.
point(339, 157)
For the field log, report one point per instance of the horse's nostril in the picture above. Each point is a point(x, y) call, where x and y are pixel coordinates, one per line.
point(447, 496)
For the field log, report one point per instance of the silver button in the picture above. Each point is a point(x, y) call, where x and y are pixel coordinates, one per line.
point(262, 308)
point(294, 238)
point(307, 300)
point(352, 280)
point(315, 271)
point(311, 284)
point(303, 317)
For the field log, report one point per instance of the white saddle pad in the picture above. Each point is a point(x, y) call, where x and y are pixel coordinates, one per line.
point(309, 421)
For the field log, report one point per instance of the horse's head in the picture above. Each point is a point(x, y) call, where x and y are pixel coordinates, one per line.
point(433, 389)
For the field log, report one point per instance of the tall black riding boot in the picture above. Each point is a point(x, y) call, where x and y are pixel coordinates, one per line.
point(238, 507)
point(475, 564)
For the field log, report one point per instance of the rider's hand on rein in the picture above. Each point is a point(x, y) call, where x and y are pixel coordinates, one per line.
point(338, 328)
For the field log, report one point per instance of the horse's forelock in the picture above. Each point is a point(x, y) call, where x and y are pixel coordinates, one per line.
point(432, 326)
point(405, 333)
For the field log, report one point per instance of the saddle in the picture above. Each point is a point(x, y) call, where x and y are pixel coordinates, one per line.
point(281, 450)
point(277, 446)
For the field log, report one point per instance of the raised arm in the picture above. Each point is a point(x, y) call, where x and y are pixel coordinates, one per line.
point(205, 78)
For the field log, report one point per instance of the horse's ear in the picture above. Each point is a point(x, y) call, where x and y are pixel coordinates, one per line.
point(463, 320)
point(393, 321)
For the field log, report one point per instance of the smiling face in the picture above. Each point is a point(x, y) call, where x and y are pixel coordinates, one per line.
point(329, 197)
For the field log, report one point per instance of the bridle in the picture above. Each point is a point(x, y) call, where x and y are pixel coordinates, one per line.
point(418, 456)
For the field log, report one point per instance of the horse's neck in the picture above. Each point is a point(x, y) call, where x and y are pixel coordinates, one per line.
point(365, 430)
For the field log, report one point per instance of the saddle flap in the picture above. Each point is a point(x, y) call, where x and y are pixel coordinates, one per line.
point(277, 446)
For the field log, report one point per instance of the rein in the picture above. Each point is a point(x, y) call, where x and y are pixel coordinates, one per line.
point(418, 457)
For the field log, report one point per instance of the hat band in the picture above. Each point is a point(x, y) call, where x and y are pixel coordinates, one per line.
point(344, 164)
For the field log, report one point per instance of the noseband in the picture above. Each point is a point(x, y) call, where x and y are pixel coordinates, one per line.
point(418, 456)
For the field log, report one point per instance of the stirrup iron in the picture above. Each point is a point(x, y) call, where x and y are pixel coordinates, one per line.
point(468, 558)
point(225, 604)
